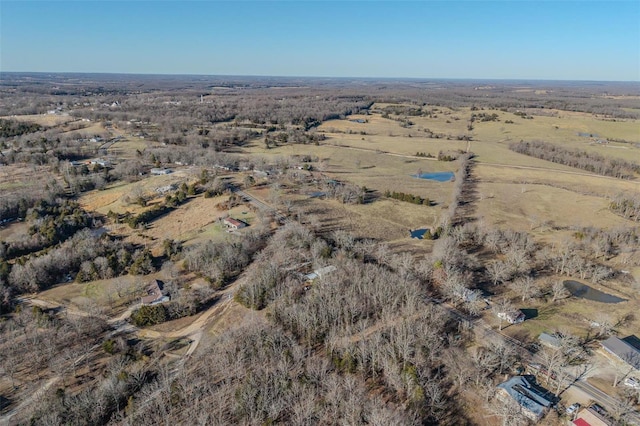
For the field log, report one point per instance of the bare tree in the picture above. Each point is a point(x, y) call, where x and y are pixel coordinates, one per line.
point(502, 307)
point(526, 287)
point(558, 291)
point(498, 272)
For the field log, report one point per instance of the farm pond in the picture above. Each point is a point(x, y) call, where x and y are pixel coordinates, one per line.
point(584, 291)
point(439, 176)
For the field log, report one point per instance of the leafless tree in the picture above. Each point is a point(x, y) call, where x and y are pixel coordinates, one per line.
point(558, 291)
point(526, 288)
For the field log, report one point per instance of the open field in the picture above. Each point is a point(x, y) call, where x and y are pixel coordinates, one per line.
point(45, 120)
point(536, 207)
point(114, 197)
point(127, 147)
point(114, 293)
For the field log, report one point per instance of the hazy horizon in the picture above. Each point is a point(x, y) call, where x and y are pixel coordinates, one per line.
point(473, 40)
point(312, 77)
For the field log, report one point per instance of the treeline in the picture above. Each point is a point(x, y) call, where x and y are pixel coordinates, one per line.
point(584, 160)
point(36, 94)
point(49, 224)
point(84, 254)
point(460, 196)
point(15, 204)
point(345, 192)
point(9, 128)
point(37, 343)
point(627, 206)
point(259, 374)
point(47, 147)
point(409, 198)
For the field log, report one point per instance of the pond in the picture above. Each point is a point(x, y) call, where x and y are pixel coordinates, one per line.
point(583, 291)
point(418, 233)
point(588, 135)
point(439, 176)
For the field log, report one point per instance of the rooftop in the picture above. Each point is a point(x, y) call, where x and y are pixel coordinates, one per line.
point(525, 392)
point(623, 350)
point(550, 340)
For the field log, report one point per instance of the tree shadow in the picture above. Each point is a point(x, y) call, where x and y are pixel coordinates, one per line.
point(633, 340)
point(4, 402)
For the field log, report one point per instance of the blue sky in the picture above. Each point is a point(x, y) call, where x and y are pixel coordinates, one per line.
point(585, 40)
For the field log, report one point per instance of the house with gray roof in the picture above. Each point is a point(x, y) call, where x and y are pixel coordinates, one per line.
point(550, 340)
point(622, 350)
point(534, 400)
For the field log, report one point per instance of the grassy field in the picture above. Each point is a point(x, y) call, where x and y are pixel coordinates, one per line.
point(107, 294)
point(45, 120)
point(114, 197)
point(536, 207)
point(513, 190)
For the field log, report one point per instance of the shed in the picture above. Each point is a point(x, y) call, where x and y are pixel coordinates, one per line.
point(160, 171)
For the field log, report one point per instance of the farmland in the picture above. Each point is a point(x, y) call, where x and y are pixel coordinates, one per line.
point(232, 213)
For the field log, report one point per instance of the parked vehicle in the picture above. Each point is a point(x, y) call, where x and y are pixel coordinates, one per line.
point(632, 382)
point(573, 408)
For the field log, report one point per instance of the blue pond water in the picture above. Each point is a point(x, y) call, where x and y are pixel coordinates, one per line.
point(439, 176)
point(583, 291)
point(418, 233)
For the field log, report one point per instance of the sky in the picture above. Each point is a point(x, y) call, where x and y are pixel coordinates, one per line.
point(542, 40)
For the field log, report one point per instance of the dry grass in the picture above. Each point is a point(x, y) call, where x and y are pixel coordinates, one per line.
point(539, 207)
point(104, 293)
point(113, 197)
point(13, 231)
point(197, 220)
point(45, 120)
point(127, 147)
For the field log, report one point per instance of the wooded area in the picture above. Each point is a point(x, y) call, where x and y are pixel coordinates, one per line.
point(299, 310)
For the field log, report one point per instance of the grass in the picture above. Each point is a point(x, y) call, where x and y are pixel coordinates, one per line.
point(505, 205)
point(46, 120)
point(112, 198)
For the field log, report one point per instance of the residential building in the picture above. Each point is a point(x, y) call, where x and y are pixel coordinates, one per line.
point(590, 417)
point(234, 224)
point(513, 317)
point(319, 273)
point(534, 400)
point(160, 171)
point(621, 350)
point(154, 294)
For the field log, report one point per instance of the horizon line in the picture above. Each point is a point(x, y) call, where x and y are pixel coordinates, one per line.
point(514, 79)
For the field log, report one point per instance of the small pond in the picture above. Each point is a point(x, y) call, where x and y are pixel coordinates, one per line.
point(583, 291)
point(588, 135)
point(439, 176)
point(418, 233)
